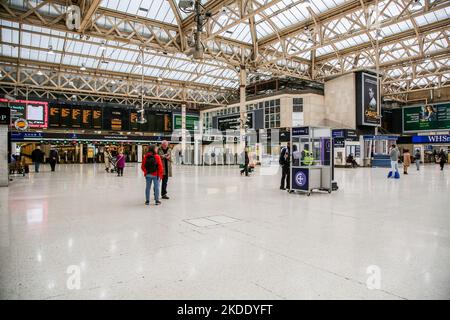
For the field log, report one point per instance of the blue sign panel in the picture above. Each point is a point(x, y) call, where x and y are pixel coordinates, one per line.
point(431, 139)
point(300, 131)
point(300, 179)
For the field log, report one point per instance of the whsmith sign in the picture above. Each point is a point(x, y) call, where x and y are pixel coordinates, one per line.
point(431, 139)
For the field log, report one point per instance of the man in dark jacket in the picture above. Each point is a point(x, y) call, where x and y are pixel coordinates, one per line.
point(53, 159)
point(442, 158)
point(38, 157)
point(285, 161)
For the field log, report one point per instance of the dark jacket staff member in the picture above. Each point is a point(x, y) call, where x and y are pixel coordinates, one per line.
point(166, 156)
point(38, 157)
point(285, 161)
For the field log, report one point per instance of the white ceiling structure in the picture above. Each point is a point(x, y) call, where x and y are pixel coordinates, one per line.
point(125, 48)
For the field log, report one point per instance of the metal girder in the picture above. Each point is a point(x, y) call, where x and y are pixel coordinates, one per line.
point(67, 79)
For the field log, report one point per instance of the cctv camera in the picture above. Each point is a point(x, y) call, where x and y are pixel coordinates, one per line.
point(186, 4)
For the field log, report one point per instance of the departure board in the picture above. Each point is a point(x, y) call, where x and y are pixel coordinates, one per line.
point(87, 118)
point(167, 122)
point(54, 119)
point(116, 120)
point(151, 122)
point(76, 117)
point(134, 125)
point(97, 118)
point(65, 117)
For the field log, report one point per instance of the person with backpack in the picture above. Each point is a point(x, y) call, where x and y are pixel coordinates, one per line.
point(153, 173)
point(285, 161)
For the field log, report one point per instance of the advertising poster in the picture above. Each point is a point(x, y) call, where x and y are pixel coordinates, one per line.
point(370, 103)
point(34, 112)
point(299, 178)
point(429, 117)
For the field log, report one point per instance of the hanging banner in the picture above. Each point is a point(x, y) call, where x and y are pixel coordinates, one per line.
point(367, 104)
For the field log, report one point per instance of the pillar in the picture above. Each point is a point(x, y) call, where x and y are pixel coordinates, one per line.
point(242, 108)
point(139, 153)
point(81, 153)
point(4, 172)
point(183, 131)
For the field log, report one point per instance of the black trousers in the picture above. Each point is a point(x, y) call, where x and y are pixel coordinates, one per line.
point(165, 179)
point(285, 177)
point(442, 165)
point(53, 164)
point(120, 171)
point(245, 169)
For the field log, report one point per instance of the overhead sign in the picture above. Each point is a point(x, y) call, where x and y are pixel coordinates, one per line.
point(21, 124)
point(300, 131)
point(431, 139)
point(34, 112)
point(5, 115)
point(191, 122)
point(429, 117)
point(232, 122)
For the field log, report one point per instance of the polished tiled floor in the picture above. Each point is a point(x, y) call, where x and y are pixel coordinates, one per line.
point(224, 236)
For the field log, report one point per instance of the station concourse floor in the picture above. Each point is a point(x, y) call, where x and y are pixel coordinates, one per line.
point(223, 236)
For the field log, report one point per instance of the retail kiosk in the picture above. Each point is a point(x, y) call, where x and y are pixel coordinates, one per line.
point(311, 162)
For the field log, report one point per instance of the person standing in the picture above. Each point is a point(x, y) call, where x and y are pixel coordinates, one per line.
point(246, 163)
point(153, 173)
point(53, 159)
point(107, 157)
point(417, 159)
point(120, 164)
point(393, 154)
point(165, 152)
point(38, 157)
point(285, 160)
point(406, 161)
point(442, 158)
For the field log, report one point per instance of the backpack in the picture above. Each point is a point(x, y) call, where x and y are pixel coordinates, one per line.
point(150, 164)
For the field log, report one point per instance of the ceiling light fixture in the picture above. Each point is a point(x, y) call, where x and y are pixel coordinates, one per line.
point(39, 73)
point(417, 5)
point(143, 9)
point(113, 82)
point(83, 68)
point(379, 35)
point(50, 50)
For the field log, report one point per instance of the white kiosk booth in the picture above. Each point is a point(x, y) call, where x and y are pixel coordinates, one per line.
point(311, 163)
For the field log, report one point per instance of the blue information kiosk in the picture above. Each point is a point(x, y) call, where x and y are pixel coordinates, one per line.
point(311, 163)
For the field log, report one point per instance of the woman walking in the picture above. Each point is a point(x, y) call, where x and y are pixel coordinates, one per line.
point(406, 161)
point(120, 164)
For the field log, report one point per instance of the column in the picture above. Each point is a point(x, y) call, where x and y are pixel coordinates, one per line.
point(4, 172)
point(81, 153)
point(183, 132)
point(139, 153)
point(242, 108)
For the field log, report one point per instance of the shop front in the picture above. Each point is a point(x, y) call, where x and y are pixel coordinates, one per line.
point(431, 145)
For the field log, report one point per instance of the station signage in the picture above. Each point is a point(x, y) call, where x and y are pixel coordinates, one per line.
point(431, 139)
point(300, 131)
point(4, 115)
point(33, 112)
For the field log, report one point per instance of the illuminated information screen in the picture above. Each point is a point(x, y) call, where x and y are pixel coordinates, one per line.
point(54, 119)
point(76, 118)
point(97, 118)
point(65, 117)
point(87, 119)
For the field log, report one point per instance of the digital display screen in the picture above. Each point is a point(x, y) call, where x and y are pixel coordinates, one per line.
point(97, 118)
point(54, 118)
point(134, 125)
point(66, 117)
point(76, 117)
point(87, 118)
point(426, 118)
point(35, 112)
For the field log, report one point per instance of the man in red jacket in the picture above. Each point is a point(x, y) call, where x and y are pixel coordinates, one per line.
point(153, 172)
